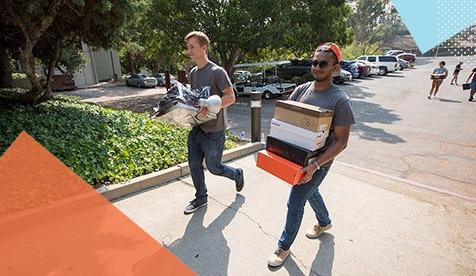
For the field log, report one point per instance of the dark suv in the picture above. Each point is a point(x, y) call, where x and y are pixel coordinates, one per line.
point(296, 68)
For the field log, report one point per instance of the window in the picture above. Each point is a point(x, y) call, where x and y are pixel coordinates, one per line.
point(372, 59)
point(361, 58)
point(387, 59)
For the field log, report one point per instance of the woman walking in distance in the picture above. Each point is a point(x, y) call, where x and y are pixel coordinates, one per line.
point(439, 74)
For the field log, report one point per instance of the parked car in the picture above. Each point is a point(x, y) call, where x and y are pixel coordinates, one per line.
point(240, 76)
point(373, 68)
point(160, 77)
point(394, 52)
point(363, 69)
point(402, 64)
point(342, 77)
point(62, 83)
point(269, 91)
point(351, 67)
point(295, 68)
point(141, 80)
point(385, 64)
point(407, 56)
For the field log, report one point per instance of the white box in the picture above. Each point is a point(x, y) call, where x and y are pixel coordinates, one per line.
point(301, 137)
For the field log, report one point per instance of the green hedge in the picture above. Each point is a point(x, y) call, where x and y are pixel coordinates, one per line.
point(101, 145)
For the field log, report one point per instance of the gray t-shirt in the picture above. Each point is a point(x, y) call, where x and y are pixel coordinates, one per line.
point(333, 98)
point(216, 79)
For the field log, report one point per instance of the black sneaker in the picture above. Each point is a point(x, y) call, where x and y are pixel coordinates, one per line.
point(195, 205)
point(240, 182)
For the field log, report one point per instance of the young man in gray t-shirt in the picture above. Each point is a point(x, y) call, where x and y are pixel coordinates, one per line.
point(207, 140)
point(323, 93)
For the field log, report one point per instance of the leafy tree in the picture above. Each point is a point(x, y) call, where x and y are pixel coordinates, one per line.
point(314, 22)
point(244, 28)
point(235, 27)
point(373, 22)
point(41, 29)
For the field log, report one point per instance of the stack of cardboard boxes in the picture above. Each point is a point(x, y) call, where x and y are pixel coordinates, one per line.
point(298, 131)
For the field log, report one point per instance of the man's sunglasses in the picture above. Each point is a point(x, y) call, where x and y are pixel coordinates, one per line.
point(323, 64)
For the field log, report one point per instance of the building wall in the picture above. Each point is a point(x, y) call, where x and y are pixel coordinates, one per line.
point(107, 65)
point(86, 75)
point(101, 65)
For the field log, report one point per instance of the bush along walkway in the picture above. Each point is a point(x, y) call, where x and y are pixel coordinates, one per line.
point(101, 145)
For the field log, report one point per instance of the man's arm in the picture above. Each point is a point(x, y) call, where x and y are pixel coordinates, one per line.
point(227, 99)
point(342, 134)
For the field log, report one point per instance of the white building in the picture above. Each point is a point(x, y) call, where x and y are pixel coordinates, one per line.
point(101, 65)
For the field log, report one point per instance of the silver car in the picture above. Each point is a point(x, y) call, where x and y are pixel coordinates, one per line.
point(141, 80)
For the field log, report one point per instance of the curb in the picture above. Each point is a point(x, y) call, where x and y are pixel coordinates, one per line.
point(159, 178)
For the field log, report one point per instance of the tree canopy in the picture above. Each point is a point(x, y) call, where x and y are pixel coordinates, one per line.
point(245, 27)
point(39, 30)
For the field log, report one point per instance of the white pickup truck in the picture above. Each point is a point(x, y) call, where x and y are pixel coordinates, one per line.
point(385, 64)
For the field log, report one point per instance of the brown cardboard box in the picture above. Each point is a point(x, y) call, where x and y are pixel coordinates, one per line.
point(303, 115)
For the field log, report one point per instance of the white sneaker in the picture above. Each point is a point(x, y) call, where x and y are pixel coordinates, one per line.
point(278, 257)
point(317, 230)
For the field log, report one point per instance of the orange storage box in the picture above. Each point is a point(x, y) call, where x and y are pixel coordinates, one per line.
point(280, 167)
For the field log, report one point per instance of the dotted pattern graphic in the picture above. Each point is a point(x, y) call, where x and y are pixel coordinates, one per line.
point(463, 44)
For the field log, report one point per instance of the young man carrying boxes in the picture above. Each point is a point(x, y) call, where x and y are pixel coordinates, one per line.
point(321, 92)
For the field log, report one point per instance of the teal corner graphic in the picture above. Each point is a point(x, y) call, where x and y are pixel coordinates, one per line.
point(432, 22)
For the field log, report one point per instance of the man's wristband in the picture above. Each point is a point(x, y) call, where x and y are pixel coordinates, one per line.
point(316, 164)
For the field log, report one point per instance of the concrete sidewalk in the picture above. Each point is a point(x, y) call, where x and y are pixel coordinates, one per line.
point(381, 226)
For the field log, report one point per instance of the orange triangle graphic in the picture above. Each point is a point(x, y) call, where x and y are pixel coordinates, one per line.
point(53, 223)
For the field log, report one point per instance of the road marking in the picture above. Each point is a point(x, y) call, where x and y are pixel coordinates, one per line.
point(410, 182)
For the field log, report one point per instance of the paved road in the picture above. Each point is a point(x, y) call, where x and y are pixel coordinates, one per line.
point(400, 132)
point(119, 95)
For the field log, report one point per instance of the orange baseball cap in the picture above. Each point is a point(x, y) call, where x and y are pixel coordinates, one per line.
point(332, 47)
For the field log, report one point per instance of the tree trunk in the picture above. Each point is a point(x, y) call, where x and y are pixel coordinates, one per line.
point(130, 61)
point(228, 60)
point(27, 62)
point(5, 69)
point(51, 67)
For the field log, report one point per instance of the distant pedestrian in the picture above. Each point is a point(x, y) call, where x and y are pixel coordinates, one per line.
point(456, 73)
point(472, 85)
point(439, 74)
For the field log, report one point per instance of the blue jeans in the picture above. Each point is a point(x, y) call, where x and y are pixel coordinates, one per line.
point(208, 146)
point(297, 199)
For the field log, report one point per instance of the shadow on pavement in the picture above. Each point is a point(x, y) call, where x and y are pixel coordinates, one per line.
point(394, 75)
point(111, 91)
point(136, 104)
point(448, 101)
point(202, 246)
point(366, 112)
point(290, 265)
point(322, 264)
point(324, 260)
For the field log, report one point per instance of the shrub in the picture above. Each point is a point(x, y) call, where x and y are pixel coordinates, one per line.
point(101, 145)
